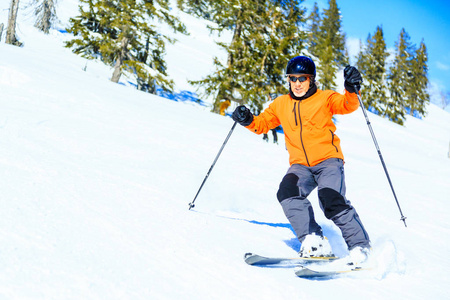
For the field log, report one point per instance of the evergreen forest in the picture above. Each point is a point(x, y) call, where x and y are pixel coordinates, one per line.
point(126, 35)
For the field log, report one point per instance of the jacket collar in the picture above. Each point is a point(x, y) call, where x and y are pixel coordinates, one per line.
point(312, 90)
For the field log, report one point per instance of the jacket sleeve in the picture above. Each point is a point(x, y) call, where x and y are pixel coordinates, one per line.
point(265, 121)
point(343, 104)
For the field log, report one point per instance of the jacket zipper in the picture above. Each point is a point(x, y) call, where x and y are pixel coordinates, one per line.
point(295, 114)
point(332, 140)
point(301, 130)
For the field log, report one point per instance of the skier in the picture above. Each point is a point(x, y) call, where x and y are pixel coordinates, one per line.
point(274, 134)
point(274, 130)
point(223, 106)
point(315, 157)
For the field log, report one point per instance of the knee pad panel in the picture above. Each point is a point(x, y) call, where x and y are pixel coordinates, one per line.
point(332, 202)
point(288, 187)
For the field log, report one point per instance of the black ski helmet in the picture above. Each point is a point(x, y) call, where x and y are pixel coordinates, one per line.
point(301, 65)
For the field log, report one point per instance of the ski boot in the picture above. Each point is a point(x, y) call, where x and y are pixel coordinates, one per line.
point(315, 246)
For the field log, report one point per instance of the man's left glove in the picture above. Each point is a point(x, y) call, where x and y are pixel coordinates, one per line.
point(352, 79)
point(242, 115)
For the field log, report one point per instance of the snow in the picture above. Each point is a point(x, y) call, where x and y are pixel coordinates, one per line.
point(96, 179)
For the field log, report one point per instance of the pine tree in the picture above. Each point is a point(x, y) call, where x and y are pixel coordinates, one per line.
point(275, 43)
point(363, 64)
point(372, 65)
point(417, 94)
point(445, 99)
point(123, 34)
point(46, 14)
point(399, 79)
point(266, 35)
point(200, 8)
point(314, 21)
point(331, 47)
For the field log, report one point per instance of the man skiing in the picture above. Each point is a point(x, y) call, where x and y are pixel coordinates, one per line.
point(315, 157)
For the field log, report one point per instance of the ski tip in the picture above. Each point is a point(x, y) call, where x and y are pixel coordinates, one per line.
point(305, 272)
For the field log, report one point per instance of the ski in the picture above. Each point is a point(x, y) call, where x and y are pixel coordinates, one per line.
point(305, 272)
point(328, 270)
point(258, 260)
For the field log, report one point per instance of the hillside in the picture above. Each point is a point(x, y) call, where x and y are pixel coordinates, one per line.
point(97, 177)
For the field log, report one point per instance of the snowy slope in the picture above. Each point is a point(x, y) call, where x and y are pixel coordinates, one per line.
point(96, 178)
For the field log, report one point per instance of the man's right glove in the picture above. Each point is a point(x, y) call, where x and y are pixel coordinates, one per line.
point(242, 115)
point(352, 79)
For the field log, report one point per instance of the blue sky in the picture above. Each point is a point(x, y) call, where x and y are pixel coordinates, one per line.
point(428, 20)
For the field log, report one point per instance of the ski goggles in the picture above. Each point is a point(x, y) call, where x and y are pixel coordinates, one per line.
point(300, 79)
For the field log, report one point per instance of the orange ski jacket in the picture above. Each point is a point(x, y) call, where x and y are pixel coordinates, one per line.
point(307, 124)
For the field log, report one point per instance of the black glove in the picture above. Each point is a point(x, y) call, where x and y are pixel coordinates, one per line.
point(352, 79)
point(242, 115)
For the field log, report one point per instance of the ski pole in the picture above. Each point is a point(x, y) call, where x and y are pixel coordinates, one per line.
point(191, 205)
point(403, 218)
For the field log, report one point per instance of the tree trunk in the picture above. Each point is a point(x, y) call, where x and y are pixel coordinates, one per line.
point(45, 15)
point(1, 31)
point(11, 30)
point(118, 66)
